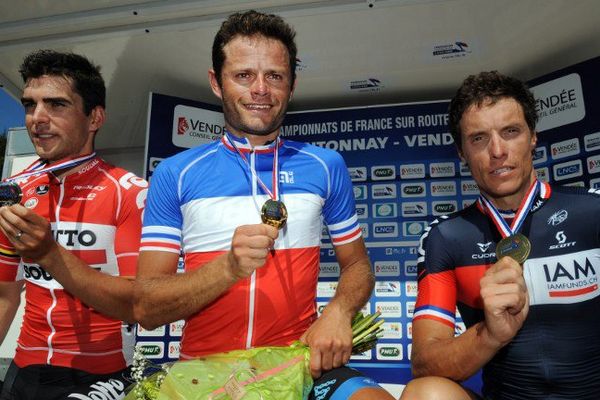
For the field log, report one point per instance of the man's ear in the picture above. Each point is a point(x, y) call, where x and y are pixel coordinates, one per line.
point(97, 118)
point(293, 88)
point(461, 156)
point(533, 140)
point(214, 83)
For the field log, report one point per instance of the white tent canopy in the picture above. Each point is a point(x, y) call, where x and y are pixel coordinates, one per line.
point(164, 46)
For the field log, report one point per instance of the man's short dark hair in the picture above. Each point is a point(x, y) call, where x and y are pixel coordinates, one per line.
point(85, 76)
point(489, 86)
point(251, 23)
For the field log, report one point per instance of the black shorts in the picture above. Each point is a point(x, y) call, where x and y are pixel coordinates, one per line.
point(339, 384)
point(47, 382)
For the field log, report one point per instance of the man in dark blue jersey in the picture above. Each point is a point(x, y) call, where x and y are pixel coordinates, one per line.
point(521, 264)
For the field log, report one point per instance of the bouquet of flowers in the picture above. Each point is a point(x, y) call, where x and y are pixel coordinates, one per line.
point(263, 373)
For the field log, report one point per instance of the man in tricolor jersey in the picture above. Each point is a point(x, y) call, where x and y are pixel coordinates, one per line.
point(246, 283)
point(521, 264)
point(73, 238)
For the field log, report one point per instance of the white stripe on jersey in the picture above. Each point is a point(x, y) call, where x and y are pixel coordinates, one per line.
point(224, 214)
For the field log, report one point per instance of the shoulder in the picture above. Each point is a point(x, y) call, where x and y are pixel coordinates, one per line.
point(446, 227)
point(327, 156)
point(179, 162)
point(124, 177)
point(576, 196)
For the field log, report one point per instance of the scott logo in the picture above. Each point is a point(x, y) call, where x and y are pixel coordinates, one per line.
point(561, 238)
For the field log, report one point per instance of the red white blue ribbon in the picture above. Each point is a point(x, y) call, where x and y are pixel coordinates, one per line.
point(275, 174)
point(504, 229)
point(41, 166)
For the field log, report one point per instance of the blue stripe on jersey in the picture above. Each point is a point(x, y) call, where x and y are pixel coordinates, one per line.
point(214, 171)
point(160, 235)
point(434, 308)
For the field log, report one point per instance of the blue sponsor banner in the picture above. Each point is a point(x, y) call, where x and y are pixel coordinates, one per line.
point(405, 172)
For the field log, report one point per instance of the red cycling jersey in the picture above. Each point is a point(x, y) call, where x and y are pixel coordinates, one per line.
point(96, 214)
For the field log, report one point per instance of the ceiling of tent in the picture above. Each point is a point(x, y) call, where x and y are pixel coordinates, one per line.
point(352, 52)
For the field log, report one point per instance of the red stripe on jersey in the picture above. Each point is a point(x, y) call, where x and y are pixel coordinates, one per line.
point(160, 244)
point(434, 318)
point(569, 293)
point(345, 237)
point(468, 289)
point(91, 257)
point(438, 290)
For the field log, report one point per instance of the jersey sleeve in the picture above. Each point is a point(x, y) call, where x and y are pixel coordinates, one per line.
point(436, 298)
point(163, 219)
point(9, 260)
point(339, 210)
point(129, 222)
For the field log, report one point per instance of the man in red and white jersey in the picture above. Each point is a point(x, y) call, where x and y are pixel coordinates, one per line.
point(72, 238)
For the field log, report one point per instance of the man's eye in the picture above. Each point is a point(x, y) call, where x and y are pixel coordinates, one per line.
point(28, 106)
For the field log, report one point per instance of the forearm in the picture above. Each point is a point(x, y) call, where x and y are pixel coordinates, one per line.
point(109, 295)
point(354, 288)
point(456, 358)
point(10, 298)
point(166, 298)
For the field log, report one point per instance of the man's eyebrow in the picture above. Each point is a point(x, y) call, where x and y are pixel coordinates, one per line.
point(47, 100)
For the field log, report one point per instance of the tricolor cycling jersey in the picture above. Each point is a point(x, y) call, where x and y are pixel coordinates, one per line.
point(196, 200)
point(95, 213)
point(556, 354)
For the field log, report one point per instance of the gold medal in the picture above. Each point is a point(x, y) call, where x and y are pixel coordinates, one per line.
point(10, 193)
point(274, 213)
point(515, 246)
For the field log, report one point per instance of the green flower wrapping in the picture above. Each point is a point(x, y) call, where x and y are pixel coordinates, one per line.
point(262, 373)
point(265, 373)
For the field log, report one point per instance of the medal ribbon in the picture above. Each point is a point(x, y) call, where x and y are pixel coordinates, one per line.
point(274, 175)
point(504, 229)
point(37, 168)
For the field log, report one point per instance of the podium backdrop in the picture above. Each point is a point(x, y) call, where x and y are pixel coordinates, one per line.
point(405, 171)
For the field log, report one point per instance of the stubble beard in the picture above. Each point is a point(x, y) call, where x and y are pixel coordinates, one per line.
point(234, 119)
